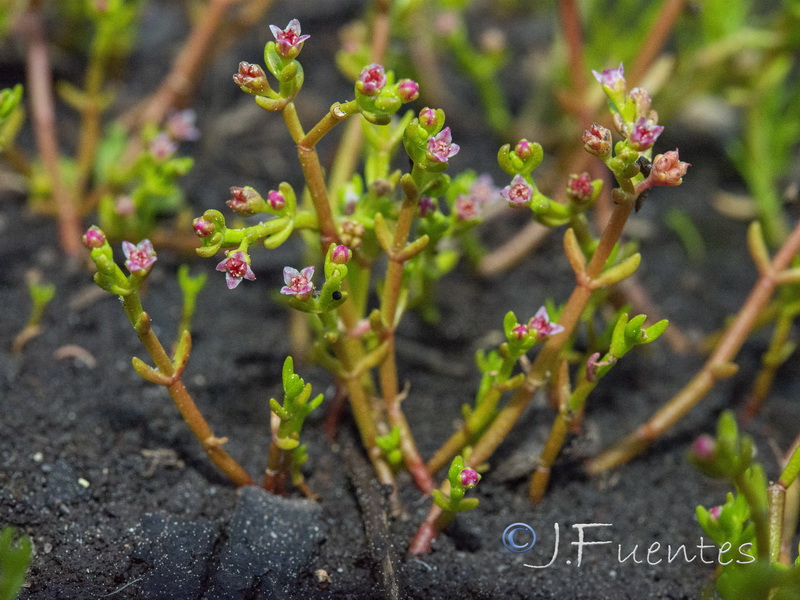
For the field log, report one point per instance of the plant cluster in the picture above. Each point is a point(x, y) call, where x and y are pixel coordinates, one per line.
point(404, 218)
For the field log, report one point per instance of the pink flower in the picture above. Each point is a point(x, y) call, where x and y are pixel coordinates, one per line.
point(520, 331)
point(519, 194)
point(427, 205)
point(466, 208)
point(289, 42)
point(408, 90)
point(579, 188)
point(298, 283)
point(276, 200)
point(251, 78)
point(469, 478)
point(541, 325)
point(181, 125)
point(441, 146)
point(483, 191)
point(139, 258)
point(94, 237)
point(644, 135)
point(714, 512)
point(668, 169)
point(597, 141)
point(203, 228)
point(371, 80)
point(236, 268)
point(341, 255)
point(614, 79)
point(162, 147)
point(124, 206)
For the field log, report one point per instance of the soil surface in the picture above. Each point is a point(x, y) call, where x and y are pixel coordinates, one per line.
point(120, 501)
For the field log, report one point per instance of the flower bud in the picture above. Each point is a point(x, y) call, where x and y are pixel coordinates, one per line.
point(341, 255)
point(704, 448)
point(579, 188)
point(251, 78)
point(591, 367)
point(469, 478)
point(523, 149)
point(203, 228)
point(668, 169)
point(597, 141)
point(408, 90)
point(427, 117)
point(641, 100)
point(94, 237)
point(276, 200)
point(245, 201)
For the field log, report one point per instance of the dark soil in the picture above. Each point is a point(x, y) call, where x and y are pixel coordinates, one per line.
point(120, 501)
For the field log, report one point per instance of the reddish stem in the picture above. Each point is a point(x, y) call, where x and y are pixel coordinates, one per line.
point(39, 78)
point(717, 366)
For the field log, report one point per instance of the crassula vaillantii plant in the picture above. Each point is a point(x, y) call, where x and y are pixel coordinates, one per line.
point(383, 232)
point(388, 225)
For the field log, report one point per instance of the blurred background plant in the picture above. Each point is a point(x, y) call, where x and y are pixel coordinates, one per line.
point(15, 555)
point(123, 166)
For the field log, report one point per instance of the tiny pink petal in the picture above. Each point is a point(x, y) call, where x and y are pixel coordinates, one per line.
point(236, 268)
point(441, 146)
point(139, 258)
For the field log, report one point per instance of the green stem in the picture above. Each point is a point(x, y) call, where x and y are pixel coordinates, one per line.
point(759, 515)
point(777, 502)
point(485, 410)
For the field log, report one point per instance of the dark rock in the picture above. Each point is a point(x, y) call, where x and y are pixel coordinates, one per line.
point(271, 542)
point(179, 551)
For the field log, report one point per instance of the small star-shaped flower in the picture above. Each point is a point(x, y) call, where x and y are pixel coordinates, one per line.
point(236, 268)
point(288, 41)
point(540, 323)
point(371, 80)
point(139, 258)
point(298, 283)
point(519, 194)
point(441, 146)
